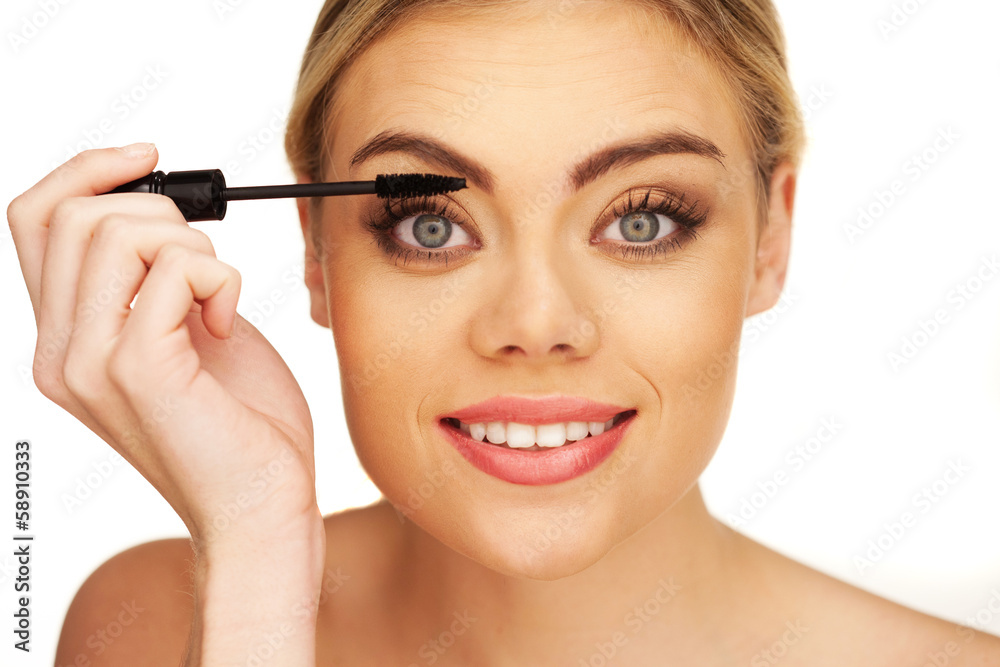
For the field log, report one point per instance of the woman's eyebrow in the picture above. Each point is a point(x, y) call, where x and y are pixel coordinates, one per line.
point(431, 150)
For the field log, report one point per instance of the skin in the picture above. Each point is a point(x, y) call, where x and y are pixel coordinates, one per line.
point(532, 309)
point(515, 321)
point(527, 297)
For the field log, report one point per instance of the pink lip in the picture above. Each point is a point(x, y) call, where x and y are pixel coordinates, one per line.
point(546, 410)
point(549, 466)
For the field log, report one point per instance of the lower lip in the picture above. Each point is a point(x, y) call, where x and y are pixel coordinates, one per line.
point(549, 466)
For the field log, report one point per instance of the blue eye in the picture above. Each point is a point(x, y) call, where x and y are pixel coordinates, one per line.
point(643, 235)
point(429, 231)
point(425, 230)
point(433, 226)
point(641, 226)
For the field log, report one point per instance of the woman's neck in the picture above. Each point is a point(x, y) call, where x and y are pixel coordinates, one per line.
point(670, 580)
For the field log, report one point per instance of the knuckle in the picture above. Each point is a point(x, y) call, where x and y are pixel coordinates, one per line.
point(121, 368)
point(168, 209)
point(83, 158)
point(78, 376)
point(16, 210)
point(77, 163)
point(112, 228)
point(171, 255)
point(203, 241)
point(46, 365)
point(64, 213)
point(235, 276)
point(48, 383)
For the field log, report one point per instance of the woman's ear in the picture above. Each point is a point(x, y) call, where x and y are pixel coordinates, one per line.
point(313, 267)
point(774, 244)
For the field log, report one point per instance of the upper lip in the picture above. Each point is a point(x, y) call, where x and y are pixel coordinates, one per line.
point(541, 410)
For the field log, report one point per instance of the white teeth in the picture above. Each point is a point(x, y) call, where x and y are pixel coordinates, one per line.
point(550, 435)
point(523, 436)
point(496, 433)
point(520, 435)
point(477, 431)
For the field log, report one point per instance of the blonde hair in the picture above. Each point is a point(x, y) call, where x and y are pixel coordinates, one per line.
point(742, 38)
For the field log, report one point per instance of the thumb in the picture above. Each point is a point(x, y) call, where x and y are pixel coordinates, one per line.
point(88, 173)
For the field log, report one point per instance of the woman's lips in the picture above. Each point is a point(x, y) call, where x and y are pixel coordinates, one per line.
point(534, 411)
point(551, 466)
point(451, 422)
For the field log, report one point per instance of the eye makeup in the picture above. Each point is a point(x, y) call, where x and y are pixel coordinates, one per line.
point(687, 218)
point(381, 221)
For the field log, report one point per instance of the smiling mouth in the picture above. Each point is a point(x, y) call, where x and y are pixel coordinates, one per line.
point(535, 438)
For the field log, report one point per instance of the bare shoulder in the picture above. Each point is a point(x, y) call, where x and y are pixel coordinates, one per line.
point(363, 539)
point(362, 555)
point(136, 607)
point(360, 586)
point(822, 620)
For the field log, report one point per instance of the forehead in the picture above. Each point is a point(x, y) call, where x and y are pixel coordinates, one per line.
point(531, 87)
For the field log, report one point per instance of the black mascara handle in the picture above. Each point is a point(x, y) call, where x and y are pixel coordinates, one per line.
point(199, 194)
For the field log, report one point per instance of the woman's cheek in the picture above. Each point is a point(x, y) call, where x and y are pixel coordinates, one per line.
point(680, 334)
point(393, 347)
point(364, 320)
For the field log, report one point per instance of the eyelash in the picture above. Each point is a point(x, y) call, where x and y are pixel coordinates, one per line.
point(687, 218)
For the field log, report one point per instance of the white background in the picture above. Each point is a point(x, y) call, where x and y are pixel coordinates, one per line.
point(876, 100)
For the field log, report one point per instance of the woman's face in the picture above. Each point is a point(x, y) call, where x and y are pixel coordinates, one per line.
point(541, 286)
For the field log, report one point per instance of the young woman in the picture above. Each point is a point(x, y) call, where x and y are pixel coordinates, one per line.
point(631, 170)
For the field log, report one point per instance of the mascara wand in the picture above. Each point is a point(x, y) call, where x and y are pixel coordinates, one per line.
point(203, 194)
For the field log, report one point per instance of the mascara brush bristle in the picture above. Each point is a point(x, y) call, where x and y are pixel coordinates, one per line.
point(415, 185)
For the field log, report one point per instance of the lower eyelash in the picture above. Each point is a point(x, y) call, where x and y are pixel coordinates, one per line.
point(381, 226)
point(688, 219)
point(396, 251)
point(662, 246)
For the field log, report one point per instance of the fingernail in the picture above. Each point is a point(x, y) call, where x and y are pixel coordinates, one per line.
point(141, 149)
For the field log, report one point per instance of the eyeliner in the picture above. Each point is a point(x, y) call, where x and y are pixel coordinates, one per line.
point(203, 194)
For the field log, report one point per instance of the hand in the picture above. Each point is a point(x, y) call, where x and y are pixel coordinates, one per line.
point(215, 422)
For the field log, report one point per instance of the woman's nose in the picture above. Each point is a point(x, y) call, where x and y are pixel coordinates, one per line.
point(534, 310)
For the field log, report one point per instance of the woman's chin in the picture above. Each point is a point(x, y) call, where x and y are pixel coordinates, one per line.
point(542, 550)
point(549, 567)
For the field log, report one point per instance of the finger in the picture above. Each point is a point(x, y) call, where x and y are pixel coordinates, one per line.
point(89, 173)
point(177, 278)
point(78, 381)
point(71, 227)
point(111, 275)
